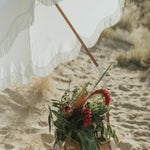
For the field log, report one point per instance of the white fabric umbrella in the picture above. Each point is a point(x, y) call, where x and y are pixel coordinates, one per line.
point(35, 38)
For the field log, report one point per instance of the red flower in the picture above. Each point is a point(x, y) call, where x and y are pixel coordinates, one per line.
point(86, 114)
point(107, 96)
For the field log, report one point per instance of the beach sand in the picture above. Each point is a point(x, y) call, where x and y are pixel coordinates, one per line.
point(24, 108)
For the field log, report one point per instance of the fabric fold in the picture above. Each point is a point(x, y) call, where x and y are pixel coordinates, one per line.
point(34, 38)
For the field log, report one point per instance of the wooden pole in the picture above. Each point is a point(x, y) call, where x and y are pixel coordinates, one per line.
point(83, 44)
point(77, 35)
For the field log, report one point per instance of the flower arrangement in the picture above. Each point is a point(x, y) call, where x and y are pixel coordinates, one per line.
point(81, 115)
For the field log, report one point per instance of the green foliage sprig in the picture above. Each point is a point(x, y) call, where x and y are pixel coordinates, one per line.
point(86, 124)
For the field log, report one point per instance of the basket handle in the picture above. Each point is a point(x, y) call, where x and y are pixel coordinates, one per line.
point(107, 114)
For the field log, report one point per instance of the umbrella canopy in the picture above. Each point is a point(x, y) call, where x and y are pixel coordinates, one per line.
point(26, 50)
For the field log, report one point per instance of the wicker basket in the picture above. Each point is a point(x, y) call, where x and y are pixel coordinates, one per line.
point(76, 146)
point(103, 146)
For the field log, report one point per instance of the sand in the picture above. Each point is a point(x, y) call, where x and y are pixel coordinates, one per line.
point(24, 108)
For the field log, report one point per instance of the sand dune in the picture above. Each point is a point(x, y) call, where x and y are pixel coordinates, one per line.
point(23, 108)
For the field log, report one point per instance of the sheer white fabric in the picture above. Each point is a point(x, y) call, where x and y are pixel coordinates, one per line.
point(38, 50)
point(15, 16)
point(16, 66)
point(48, 2)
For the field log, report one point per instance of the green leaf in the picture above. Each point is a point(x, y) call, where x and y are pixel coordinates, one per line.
point(106, 133)
point(87, 140)
point(69, 137)
point(50, 112)
point(56, 113)
point(102, 76)
point(54, 100)
point(50, 118)
point(49, 108)
point(110, 129)
point(57, 105)
point(49, 122)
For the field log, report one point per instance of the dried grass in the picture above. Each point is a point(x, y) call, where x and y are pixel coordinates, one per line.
point(134, 59)
point(108, 33)
point(42, 86)
point(145, 76)
point(133, 28)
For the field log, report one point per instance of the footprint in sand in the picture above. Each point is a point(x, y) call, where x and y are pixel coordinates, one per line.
point(145, 94)
point(4, 131)
point(43, 123)
point(8, 146)
point(133, 107)
point(125, 146)
point(113, 94)
point(143, 99)
point(128, 126)
point(142, 133)
point(32, 130)
point(121, 87)
point(47, 139)
point(134, 94)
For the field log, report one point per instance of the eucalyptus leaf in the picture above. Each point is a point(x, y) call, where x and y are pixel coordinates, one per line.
point(56, 113)
point(49, 122)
